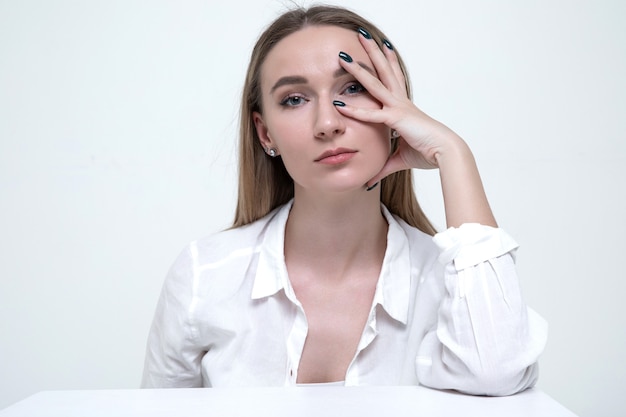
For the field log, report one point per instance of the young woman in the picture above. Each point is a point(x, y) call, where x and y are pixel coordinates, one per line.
point(331, 272)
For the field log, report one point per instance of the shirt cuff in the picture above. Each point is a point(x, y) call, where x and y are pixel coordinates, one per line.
point(473, 243)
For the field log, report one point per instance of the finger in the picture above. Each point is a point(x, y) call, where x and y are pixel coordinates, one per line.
point(381, 63)
point(394, 62)
point(362, 114)
point(371, 83)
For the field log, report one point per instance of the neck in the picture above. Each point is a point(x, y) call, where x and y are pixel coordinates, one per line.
point(335, 232)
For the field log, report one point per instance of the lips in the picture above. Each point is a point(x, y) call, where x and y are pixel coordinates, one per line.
point(336, 155)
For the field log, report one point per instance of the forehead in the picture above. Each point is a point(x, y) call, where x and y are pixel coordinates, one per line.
point(311, 51)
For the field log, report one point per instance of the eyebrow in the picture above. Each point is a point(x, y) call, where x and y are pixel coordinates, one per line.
point(297, 79)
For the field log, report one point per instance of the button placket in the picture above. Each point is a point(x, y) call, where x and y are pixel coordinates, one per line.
point(295, 343)
point(369, 334)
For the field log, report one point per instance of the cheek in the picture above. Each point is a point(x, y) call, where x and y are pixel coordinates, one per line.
point(283, 129)
point(385, 150)
point(288, 139)
point(287, 135)
point(378, 146)
point(383, 135)
point(386, 144)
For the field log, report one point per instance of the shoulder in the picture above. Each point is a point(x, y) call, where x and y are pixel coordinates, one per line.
point(222, 258)
point(229, 243)
point(415, 235)
point(422, 247)
point(224, 242)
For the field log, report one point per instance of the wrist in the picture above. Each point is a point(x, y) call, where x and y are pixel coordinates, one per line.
point(452, 151)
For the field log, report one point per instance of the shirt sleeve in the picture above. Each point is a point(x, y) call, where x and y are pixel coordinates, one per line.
point(486, 340)
point(172, 358)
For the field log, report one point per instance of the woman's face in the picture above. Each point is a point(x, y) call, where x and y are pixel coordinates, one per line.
point(321, 149)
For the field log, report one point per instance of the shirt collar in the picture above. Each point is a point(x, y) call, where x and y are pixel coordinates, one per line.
point(271, 273)
point(393, 291)
point(394, 282)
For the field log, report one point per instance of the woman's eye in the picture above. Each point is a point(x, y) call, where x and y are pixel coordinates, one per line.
point(355, 88)
point(292, 101)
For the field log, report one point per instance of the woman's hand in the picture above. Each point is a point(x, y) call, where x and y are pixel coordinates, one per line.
point(421, 138)
point(423, 141)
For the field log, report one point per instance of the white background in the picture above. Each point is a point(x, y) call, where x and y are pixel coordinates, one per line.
point(118, 123)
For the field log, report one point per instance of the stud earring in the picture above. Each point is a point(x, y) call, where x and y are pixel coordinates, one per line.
point(394, 134)
point(271, 152)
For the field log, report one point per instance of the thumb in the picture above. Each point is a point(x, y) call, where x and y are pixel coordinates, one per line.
point(395, 163)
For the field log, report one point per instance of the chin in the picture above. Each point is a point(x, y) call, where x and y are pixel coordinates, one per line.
point(340, 182)
point(346, 186)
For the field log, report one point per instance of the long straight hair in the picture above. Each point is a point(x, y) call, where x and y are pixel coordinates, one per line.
point(264, 183)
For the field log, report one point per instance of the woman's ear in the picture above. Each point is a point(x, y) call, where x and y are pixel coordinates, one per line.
point(261, 130)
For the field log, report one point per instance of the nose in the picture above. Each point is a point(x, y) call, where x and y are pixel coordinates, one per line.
point(329, 122)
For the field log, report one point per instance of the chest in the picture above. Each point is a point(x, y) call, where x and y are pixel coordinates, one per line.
point(336, 315)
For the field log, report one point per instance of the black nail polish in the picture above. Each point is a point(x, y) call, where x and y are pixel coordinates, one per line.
point(388, 44)
point(345, 57)
point(370, 188)
point(339, 103)
point(365, 33)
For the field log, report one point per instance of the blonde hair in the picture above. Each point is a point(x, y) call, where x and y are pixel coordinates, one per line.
point(264, 183)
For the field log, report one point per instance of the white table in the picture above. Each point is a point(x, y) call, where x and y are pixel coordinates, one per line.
point(276, 402)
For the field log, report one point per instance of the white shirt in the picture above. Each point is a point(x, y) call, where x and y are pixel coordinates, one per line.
point(447, 313)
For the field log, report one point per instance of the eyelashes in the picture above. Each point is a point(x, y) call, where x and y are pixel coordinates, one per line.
point(355, 88)
point(292, 101)
point(297, 99)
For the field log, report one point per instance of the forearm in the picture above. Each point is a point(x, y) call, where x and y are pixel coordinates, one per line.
point(486, 341)
point(464, 197)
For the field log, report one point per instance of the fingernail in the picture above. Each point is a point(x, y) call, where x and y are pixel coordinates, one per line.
point(370, 188)
point(339, 103)
point(388, 44)
point(345, 57)
point(365, 33)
